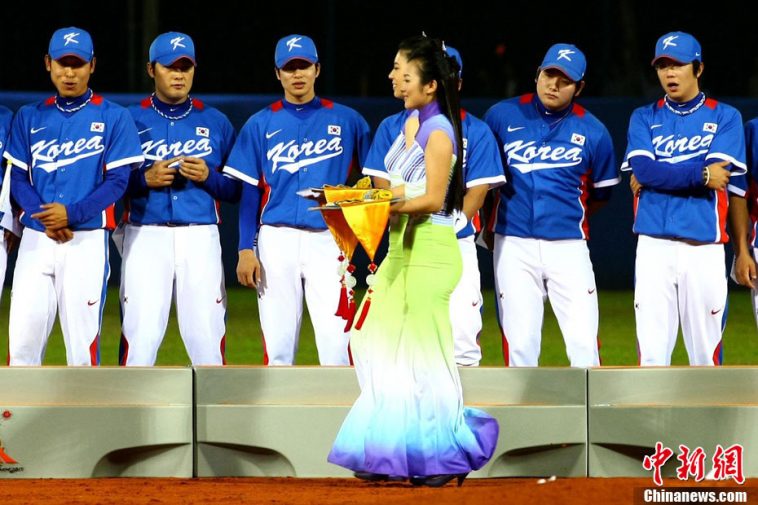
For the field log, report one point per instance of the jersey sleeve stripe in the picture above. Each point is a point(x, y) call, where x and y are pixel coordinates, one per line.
point(376, 173)
point(736, 191)
point(493, 182)
point(607, 183)
point(625, 167)
point(236, 174)
point(721, 156)
point(124, 161)
point(16, 162)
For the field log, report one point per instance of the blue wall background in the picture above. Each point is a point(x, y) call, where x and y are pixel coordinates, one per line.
point(611, 240)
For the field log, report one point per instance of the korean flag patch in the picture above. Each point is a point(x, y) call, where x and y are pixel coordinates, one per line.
point(202, 131)
point(334, 130)
point(710, 127)
point(97, 127)
point(577, 139)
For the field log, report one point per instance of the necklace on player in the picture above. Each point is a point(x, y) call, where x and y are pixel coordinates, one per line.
point(678, 112)
point(166, 116)
point(73, 109)
point(551, 118)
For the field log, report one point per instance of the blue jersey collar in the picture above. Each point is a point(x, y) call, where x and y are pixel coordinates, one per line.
point(171, 111)
point(550, 117)
point(302, 107)
point(685, 108)
point(70, 105)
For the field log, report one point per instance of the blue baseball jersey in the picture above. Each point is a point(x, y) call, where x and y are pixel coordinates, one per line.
point(204, 133)
point(481, 157)
point(285, 148)
point(66, 156)
point(6, 116)
point(751, 143)
point(713, 132)
point(389, 129)
point(551, 170)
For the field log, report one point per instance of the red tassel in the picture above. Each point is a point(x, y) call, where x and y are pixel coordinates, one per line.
point(342, 306)
point(350, 314)
point(364, 312)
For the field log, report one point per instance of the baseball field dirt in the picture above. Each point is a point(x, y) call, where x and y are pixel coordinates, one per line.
point(128, 491)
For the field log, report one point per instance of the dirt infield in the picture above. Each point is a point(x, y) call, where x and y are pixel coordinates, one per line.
point(135, 491)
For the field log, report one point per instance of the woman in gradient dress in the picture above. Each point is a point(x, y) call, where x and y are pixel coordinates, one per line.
point(409, 420)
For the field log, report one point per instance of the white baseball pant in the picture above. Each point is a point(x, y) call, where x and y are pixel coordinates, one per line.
point(3, 261)
point(677, 281)
point(183, 262)
point(527, 272)
point(466, 307)
point(295, 262)
point(72, 277)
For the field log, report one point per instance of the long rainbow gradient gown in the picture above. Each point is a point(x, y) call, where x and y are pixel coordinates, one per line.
point(409, 419)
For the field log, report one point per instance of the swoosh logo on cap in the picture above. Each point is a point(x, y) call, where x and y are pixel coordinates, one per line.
point(269, 135)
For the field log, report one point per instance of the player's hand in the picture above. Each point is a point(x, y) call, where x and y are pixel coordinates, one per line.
point(160, 175)
point(54, 216)
point(745, 270)
point(11, 241)
point(194, 169)
point(635, 185)
point(248, 269)
point(719, 175)
point(62, 235)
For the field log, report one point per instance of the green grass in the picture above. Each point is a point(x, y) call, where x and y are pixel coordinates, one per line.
point(244, 346)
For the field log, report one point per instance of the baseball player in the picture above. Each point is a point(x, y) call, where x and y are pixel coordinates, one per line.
point(171, 239)
point(482, 170)
point(71, 156)
point(7, 238)
point(561, 167)
point(751, 142)
point(300, 142)
point(686, 152)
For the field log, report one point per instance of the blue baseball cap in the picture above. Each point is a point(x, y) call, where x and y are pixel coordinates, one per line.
point(295, 47)
point(451, 51)
point(169, 47)
point(568, 59)
point(71, 41)
point(678, 46)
